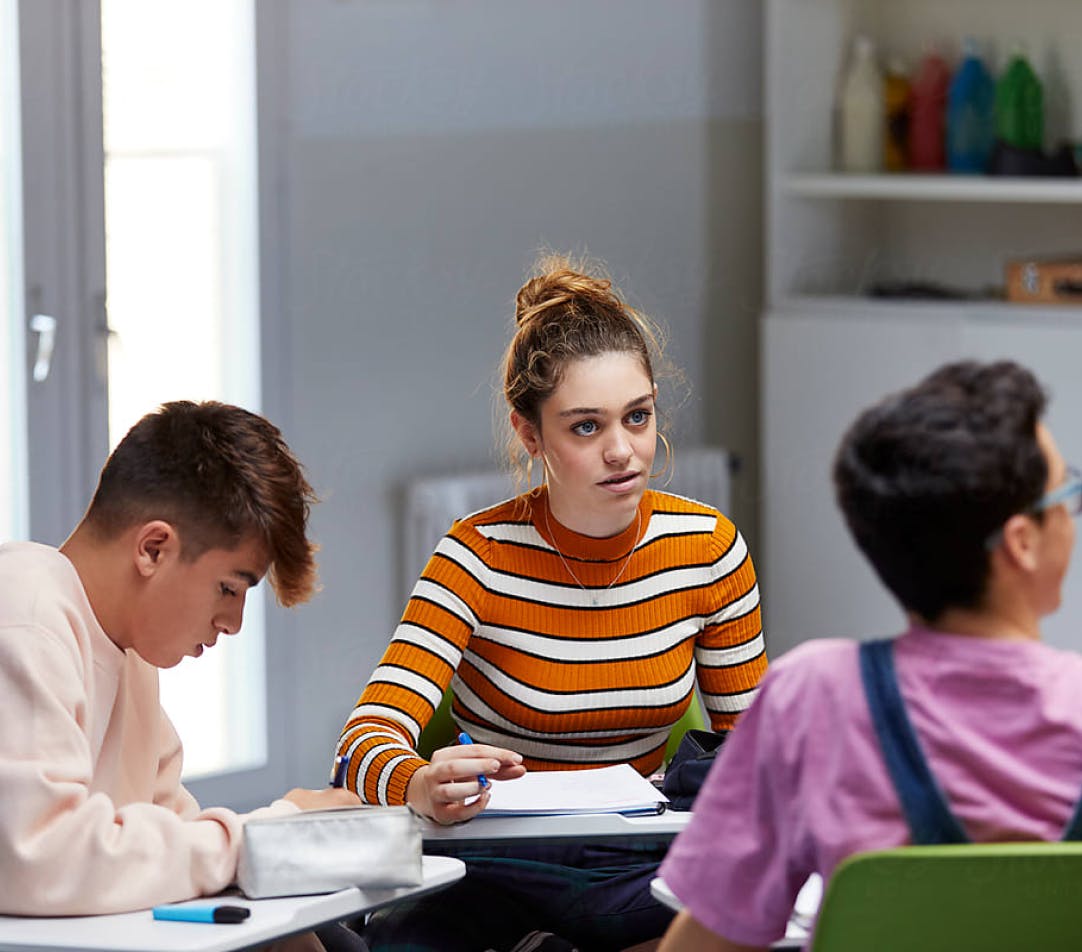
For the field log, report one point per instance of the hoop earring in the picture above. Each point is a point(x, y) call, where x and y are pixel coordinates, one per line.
point(670, 461)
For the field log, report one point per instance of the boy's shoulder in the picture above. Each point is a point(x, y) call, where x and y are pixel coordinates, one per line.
point(39, 588)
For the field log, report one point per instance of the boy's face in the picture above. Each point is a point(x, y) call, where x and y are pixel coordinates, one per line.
point(186, 605)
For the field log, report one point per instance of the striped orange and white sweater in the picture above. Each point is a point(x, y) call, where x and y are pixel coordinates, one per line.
point(568, 676)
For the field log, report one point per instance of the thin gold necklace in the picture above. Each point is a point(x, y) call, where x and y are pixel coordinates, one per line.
point(594, 593)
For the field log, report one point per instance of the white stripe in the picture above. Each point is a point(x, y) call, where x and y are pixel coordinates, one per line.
point(678, 523)
point(445, 599)
point(660, 524)
point(729, 703)
point(366, 763)
point(742, 606)
point(422, 638)
point(592, 649)
point(385, 775)
point(724, 657)
point(581, 701)
point(732, 559)
point(410, 680)
point(412, 728)
point(518, 533)
point(366, 731)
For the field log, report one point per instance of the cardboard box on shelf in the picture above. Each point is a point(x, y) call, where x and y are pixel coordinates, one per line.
point(1049, 281)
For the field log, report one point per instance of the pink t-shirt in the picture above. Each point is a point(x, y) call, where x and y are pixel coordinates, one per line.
point(801, 783)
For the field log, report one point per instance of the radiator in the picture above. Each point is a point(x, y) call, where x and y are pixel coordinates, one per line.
point(434, 502)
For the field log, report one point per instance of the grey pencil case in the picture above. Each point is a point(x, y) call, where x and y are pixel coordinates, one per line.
point(326, 850)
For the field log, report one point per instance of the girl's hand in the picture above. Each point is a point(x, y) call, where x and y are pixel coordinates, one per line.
point(440, 789)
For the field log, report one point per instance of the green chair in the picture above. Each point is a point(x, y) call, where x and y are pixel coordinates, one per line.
point(440, 730)
point(1009, 897)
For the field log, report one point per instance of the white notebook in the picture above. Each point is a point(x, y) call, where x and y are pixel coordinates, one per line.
point(617, 789)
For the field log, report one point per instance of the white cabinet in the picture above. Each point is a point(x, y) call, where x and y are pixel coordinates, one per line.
point(827, 350)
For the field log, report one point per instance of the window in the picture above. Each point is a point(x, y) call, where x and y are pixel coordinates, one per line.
point(178, 84)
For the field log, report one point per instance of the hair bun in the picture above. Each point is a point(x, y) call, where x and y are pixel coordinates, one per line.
point(557, 281)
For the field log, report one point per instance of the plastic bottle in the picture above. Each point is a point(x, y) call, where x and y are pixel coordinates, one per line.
point(971, 124)
point(1020, 105)
point(928, 114)
point(861, 113)
point(896, 91)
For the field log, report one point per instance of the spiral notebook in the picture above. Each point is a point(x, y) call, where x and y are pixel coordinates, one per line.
point(616, 789)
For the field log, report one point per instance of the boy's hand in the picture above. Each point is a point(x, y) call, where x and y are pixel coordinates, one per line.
point(322, 799)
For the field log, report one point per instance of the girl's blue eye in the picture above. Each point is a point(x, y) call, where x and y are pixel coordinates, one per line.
point(638, 417)
point(585, 428)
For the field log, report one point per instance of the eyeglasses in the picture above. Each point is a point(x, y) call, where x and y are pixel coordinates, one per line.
point(1067, 494)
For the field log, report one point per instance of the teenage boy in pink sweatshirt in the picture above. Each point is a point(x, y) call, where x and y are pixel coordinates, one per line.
point(195, 506)
point(957, 494)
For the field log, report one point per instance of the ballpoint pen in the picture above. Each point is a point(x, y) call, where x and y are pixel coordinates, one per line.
point(340, 765)
point(464, 738)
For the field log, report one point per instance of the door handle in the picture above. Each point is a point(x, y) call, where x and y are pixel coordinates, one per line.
point(45, 327)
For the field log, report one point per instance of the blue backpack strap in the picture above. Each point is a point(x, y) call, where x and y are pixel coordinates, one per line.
point(926, 811)
point(1073, 833)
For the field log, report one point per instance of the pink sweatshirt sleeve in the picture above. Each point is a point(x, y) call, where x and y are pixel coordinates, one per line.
point(79, 836)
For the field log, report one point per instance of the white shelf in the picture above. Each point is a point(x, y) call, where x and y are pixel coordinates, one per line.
point(935, 188)
point(985, 309)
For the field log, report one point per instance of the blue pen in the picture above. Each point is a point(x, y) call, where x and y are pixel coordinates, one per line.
point(340, 765)
point(217, 914)
point(464, 738)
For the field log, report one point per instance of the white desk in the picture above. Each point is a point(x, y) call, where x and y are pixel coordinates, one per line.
point(591, 827)
point(270, 919)
point(800, 922)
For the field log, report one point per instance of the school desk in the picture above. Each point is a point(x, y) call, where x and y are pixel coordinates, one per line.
point(270, 919)
point(585, 827)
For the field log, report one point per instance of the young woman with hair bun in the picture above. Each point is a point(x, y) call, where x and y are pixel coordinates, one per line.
point(572, 623)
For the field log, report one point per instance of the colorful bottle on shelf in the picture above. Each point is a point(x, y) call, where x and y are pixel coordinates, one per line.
point(1020, 105)
point(861, 111)
point(928, 114)
point(971, 121)
point(896, 90)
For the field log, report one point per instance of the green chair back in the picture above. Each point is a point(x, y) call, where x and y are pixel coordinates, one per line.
point(988, 897)
point(440, 730)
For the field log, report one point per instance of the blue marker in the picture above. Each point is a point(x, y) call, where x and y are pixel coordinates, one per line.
point(340, 765)
point(464, 738)
point(218, 914)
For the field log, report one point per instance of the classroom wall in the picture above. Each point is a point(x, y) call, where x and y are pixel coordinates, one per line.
point(421, 152)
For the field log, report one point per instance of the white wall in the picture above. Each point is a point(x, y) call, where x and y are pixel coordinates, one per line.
point(417, 153)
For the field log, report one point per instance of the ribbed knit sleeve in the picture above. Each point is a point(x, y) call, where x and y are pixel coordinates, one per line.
point(730, 654)
point(404, 691)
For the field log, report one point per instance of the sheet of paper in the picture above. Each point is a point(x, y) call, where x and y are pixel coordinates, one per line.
point(617, 789)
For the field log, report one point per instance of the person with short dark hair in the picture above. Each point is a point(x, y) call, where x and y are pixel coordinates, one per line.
point(194, 507)
point(956, 492)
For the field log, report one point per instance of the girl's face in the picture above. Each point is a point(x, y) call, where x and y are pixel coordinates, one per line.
point(596, 438)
